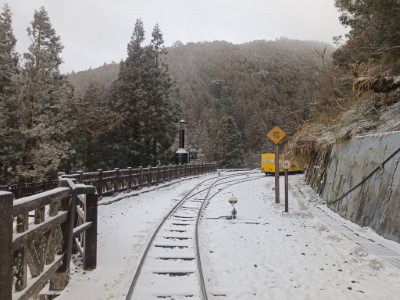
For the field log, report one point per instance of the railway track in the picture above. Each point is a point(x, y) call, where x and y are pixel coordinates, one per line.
point(170, 267)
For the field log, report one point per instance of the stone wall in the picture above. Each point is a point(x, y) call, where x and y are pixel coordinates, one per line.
point(376, 203)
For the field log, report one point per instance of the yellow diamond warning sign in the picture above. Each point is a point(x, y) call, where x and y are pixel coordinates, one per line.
point(276, 134)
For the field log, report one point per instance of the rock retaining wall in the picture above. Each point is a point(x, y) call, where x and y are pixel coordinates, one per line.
point(376, 202)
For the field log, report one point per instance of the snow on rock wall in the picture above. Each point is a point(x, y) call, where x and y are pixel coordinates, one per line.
point(376, 203)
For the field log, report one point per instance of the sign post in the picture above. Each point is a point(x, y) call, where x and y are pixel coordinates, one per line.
point(286, 166)
point(276, 135)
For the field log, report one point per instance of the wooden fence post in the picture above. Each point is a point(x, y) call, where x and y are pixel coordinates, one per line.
point(100, 183)
point(150, 177)
point(60, 278)
point(184, 170)
point(6, 241)
point(116, 180)
point(141, 177)
point(20, 255)
point(80, 176)
point(129, 178)
point(90, 252)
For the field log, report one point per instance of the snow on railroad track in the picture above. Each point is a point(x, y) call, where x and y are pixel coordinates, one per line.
point(171, 266)
point(264, 254)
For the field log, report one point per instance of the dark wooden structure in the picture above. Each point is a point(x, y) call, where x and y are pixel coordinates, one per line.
point(37, 234)
point(119, 180)
point(30, 188)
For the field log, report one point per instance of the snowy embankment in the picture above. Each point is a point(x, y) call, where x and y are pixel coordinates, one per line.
point(263, 254)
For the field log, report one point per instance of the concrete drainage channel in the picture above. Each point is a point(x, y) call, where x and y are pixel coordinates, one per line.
point(385, 252)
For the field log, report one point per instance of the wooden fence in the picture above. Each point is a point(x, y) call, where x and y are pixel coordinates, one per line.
point(30, 188)
point(118, 180)
point(37, 234)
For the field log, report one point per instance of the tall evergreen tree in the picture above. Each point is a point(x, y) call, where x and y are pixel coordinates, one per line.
point(232, 148)
point(44, 100)
point(141, 95)
point(10, 140)
point(93, 120)
point(161, 111)
point(125, 99)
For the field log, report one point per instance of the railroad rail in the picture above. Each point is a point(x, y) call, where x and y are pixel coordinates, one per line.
point(170, 267)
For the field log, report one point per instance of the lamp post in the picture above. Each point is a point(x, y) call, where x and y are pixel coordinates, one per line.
point(182, 123)
point(181, 155)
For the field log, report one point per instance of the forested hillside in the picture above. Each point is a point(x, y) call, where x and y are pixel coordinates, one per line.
point(233, 94)
point(126, 113)
point(112, 120)
point(360, 88)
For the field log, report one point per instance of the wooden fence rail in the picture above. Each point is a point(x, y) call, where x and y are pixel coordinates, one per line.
point(37, 234)
point(118, 180)
point(30, 188)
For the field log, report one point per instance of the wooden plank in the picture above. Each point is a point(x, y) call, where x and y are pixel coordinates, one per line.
point(67, 229)
point(90, 242)
point(35, 256)
point(36, 284)
point(129, 178)
point(100, 182)
point(81, 228)
point(6, 254)
point(79, 246)
point(49, 252)
point(60, 278)
point(84, 189)
point(20, 239)
point(19, 262)
point(39, 214)
point(27, 204)
point(81, 213)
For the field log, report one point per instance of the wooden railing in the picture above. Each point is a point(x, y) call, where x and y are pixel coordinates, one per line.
point(30, 188)
point(37, 234)
point(118, 180)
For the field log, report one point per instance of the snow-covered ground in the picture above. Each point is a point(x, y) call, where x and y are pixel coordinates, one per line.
point(263, 254)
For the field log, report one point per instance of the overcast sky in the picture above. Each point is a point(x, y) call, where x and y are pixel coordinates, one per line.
point(97, 31)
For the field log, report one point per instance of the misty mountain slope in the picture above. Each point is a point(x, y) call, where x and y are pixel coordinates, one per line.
point(259, 84)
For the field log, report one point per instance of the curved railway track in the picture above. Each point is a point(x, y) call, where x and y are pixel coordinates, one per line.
point(170, 267)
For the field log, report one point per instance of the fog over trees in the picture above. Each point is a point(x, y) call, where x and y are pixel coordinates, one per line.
point(254, 85)
point(126, 114)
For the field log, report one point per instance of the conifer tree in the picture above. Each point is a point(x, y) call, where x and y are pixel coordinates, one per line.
point(141, 95)
point(127, 100)
point(44, 99)
point(161, 112)
point(92, 121)
point(10, 140)
point(232, 149)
